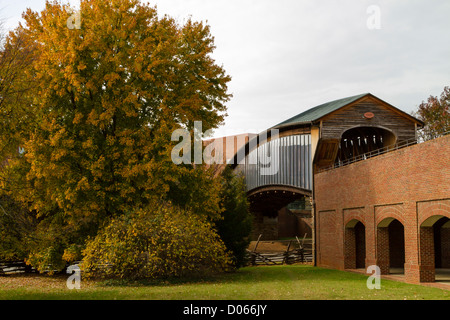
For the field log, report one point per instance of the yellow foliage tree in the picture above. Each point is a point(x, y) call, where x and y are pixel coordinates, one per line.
point(106, 97)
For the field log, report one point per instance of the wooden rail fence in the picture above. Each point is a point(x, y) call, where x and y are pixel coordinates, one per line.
point(9, 267)
point(296, 251)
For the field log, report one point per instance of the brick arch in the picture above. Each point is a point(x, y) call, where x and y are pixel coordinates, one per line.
point(430, 221)
point(428, 210)
point(384, 216)
point(354, 214)
point(434, 242)
point(351, 220)
point(384, 246)
point(389, 212)
point(354, 244)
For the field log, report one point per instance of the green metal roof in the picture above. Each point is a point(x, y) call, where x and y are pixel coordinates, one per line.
point(320, 111)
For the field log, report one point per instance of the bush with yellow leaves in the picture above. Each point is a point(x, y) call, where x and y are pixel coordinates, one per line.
point(158, 242)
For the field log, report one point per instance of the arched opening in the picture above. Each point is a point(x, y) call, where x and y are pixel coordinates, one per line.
point(355, 245)
point(391, 246)
point(435, 249)
point(360, 140)
point(280, 212)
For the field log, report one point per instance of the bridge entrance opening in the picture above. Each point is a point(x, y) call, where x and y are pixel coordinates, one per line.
point(360, 140)
point(280, 213)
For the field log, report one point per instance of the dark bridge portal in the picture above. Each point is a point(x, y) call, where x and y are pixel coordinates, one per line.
point(361, 140)
point(278, 173)
point(270, 199)
point(280, 211)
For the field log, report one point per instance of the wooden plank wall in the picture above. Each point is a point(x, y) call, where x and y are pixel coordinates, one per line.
point(352, 116)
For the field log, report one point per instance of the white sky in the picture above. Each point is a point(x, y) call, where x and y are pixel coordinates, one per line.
point(287, 56)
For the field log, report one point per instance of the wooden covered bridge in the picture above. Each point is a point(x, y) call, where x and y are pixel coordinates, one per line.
point(279, 163)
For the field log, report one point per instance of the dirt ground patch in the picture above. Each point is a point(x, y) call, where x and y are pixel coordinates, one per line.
point(33, 280)
point(272, 246)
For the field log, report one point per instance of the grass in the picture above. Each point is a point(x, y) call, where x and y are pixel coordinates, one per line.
point(295, 282)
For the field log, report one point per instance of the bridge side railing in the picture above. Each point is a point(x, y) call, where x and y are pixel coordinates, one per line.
point(380, 151)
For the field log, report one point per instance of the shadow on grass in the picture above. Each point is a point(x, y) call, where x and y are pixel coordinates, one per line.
point(245, 275)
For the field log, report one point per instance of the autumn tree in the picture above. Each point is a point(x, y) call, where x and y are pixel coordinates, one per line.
point(16, 222)
point(16, 55)
point(106, 98)
point(435, 113)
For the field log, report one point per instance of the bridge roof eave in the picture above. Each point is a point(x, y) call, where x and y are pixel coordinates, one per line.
point(279, 188)
point(266, 134)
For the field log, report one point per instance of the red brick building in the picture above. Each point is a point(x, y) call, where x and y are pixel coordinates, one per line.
point(379, 197)
point(392, 210)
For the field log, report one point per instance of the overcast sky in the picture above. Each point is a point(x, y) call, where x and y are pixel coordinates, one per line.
point(287, 56)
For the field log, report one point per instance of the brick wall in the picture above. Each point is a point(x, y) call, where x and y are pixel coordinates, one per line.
point(283, 225)
point(427, 254)
point(291, 225)
point(410, 185)
point(288, 224)
point(383, 250)
point(265, 226)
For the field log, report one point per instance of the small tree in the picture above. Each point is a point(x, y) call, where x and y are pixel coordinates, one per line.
point(235, 226)
point(435, 113)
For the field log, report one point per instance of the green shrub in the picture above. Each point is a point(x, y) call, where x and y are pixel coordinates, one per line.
point(235, 226)
point(158, 242)
point(48, 260)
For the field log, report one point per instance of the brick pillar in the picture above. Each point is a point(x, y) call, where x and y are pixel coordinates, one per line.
point(383, 249)
point(370, 238)
point(412, 244)
point(426, 268)
point(349, 248)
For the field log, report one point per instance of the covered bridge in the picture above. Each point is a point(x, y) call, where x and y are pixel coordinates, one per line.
point(279, 163)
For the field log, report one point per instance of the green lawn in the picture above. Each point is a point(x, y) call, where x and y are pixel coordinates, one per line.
point(298, 282)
